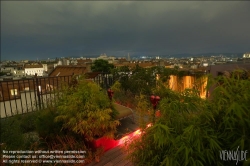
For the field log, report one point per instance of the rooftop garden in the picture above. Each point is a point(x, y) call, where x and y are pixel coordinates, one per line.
point(189, 130)
point(185, 130)
point(81, 114)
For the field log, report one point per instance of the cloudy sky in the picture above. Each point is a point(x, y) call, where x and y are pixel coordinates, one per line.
point(48, 29)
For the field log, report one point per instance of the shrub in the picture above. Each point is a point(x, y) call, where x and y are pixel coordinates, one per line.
point(87, 111)
point(17, 132)
point(46, 125)
point(192, 131)
point(11, 133)
point(126, 98)
point(82, 113)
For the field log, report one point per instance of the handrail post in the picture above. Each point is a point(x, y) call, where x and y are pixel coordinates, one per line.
point(38, 92)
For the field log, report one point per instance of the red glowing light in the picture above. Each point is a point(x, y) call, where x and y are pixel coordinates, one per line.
point(138, 131)
point(107, 143)
point(158, 113)
point(124, 139)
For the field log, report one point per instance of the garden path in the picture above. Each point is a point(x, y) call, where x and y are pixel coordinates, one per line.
point(117, 156)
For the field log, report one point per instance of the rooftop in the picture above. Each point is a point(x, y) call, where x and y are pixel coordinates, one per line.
point(68, 70)
point(33, 66)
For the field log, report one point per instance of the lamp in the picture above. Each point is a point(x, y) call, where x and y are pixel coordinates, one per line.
point(154, 100)
point(110, 93)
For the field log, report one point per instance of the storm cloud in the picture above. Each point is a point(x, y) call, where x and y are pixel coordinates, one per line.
point(62, 28)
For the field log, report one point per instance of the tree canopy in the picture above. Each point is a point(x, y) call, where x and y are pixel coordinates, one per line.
point(101, 65)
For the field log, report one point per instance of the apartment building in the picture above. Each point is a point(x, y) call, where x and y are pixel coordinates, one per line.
point(246, 55)
point(32, 69)
point(16, 71)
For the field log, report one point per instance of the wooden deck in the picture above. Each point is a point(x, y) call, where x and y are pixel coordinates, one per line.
point(113, 157)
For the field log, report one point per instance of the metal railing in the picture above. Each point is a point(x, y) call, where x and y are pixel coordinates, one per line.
point(28, 95)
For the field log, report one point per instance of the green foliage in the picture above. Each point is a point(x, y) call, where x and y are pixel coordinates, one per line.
point(123, 97)
point(142, 80)
point(192, 131)
point(11, 133)
point(101, 65)
point(87, 111)
point(143, 108)
point(27, 122)
point(16, 131)
point(46, 125)
point(81, 114)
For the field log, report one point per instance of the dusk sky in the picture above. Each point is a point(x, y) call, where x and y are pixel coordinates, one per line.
point(49, 29)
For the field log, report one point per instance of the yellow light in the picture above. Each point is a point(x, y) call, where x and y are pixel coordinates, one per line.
point(149, 125)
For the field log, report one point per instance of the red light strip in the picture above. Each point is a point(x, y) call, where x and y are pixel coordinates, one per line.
point(131, 136)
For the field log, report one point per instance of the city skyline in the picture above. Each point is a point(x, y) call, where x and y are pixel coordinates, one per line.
point(41, 30)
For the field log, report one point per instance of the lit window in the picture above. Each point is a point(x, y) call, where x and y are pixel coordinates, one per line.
point(13, 92)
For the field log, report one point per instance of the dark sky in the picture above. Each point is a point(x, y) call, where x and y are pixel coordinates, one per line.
point(48, 29)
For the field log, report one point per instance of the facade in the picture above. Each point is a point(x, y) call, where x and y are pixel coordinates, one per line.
point(19, 73)
point(105, 57)
point(45, 67)
point(8, 69)
point(15, 71)
point(31, 70)
point(217, 70)
point(225, 70)
point(179, 84)
point(246, 55)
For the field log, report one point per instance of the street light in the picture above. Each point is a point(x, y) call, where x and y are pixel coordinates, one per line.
point(154, 100)
point(110, 94)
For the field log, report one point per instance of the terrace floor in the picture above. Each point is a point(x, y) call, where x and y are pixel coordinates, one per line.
point(113, 157)
point(117, 155)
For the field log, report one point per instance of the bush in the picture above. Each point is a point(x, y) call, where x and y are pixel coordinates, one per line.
point(16, 131)
point(11, 133)
point(82, 113)
point(123, 97)
point(46, 125)
point(87, 111)
point(193, 131)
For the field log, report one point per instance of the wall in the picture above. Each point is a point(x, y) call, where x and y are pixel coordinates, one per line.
point(179, 84)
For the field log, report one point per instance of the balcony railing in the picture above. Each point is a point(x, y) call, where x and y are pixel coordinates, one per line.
point(28, 95)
